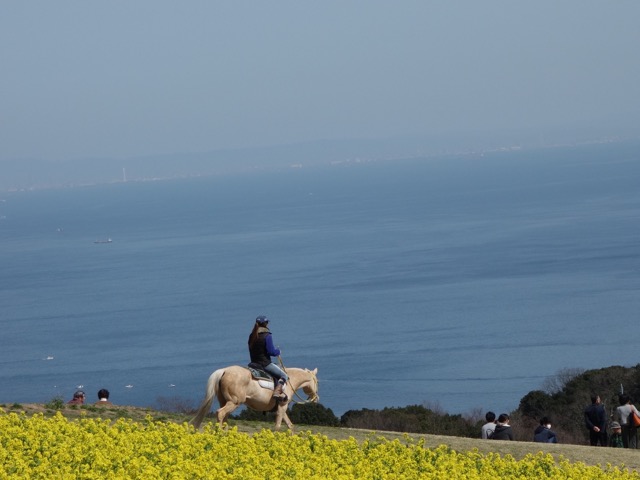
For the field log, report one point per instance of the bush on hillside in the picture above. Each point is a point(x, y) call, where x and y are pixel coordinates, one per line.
point(254, 415)
point(313, 414)
point(56, 403)
point(411, 419)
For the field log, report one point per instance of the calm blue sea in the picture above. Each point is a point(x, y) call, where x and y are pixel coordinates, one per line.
point(462, 282)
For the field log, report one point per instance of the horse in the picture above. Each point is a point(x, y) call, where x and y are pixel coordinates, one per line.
point(234, 386)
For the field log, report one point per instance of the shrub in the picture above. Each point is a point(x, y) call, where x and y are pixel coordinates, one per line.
point(305, 413)
point(412, 419)
point(255, 416)
point(313, 414)
point(56, 403)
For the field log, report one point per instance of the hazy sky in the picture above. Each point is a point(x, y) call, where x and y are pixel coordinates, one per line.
point(125, 78)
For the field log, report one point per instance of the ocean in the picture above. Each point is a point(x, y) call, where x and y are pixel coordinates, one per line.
point(461, 282)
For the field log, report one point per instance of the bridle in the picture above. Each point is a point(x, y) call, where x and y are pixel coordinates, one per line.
point(302, 401)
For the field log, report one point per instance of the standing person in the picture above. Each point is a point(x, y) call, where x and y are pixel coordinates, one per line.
point(261, 349)
point(615, 440)
point(629, 431)
point(78, 398)
point(490, 426)
point(595, 418)
point(503, 429)
point(103, 397)
point(543, 433)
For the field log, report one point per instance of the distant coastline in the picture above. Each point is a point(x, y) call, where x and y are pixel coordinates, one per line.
point(38, 174)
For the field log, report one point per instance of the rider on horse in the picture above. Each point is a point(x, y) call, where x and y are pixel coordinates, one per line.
point(261, 349)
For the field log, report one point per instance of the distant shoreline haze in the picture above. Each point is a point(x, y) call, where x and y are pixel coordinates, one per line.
point(29, 174)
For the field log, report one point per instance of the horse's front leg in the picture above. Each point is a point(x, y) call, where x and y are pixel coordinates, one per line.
point(282, 414)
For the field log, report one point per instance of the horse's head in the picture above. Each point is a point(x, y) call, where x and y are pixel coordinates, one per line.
point(310, 388)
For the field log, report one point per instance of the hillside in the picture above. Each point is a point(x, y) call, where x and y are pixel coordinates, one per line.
point(574, 453)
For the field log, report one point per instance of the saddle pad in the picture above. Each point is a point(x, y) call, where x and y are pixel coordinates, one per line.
point(268, 384)
point(264, 380)
point(260, 374)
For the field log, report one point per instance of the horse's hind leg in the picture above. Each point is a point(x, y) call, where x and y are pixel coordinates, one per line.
point(223, 412)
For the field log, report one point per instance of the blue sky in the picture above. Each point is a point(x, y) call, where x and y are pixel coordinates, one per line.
point(118, 79)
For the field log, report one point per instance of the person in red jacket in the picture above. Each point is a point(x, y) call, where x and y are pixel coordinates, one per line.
point(78, 398)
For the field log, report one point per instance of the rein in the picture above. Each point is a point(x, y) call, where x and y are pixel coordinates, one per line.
point(302, 400)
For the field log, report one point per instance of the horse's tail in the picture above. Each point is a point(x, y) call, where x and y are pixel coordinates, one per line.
point(209, 397)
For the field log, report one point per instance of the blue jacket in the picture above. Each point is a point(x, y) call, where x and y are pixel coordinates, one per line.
point(272, 351)
point(544, 435)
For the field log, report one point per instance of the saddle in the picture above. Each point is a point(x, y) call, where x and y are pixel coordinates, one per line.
point(264, 379)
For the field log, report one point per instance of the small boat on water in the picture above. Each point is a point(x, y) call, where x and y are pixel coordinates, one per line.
point(108, 240)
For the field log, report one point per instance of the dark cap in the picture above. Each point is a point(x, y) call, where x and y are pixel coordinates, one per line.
point(262, 320)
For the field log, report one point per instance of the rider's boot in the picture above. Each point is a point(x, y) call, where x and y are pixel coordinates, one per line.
point(278, 392)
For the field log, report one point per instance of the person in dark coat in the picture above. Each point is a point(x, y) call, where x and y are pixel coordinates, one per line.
point(543, 432)
point(261, 349)
point(103, 397)
point(595, 418)
point(503, 429)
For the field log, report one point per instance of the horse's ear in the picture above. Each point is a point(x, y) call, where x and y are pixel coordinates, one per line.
point(315, 371)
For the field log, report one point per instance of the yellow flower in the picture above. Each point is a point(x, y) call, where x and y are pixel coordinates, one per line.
point(87, 449)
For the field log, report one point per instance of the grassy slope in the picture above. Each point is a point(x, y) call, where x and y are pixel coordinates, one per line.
point(574, 453)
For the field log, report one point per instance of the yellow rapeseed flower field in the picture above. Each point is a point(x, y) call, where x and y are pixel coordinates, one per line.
point(57, 448)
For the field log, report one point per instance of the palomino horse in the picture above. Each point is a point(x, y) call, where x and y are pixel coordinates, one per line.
point(234, 386)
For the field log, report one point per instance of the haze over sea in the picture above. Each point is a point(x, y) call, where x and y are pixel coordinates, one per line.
point(459, 281)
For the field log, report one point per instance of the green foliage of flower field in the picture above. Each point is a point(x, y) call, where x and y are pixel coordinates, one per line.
point(38, 447)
